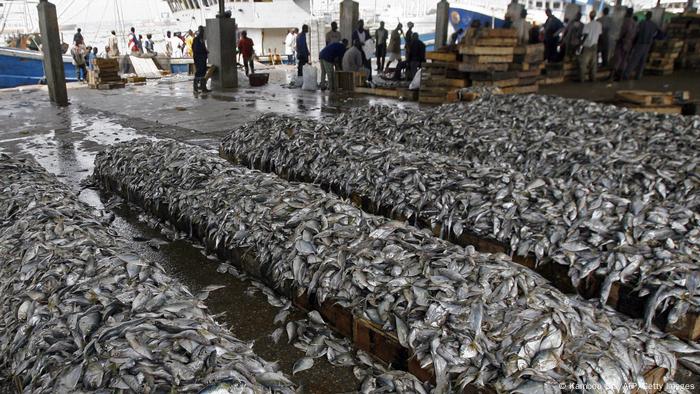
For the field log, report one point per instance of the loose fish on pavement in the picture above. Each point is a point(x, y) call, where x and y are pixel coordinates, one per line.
point(80, 312)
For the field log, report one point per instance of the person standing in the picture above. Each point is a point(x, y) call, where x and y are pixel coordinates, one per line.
point(289, 46)
point(78, 55)
point(245, 47)
point(362, 35)
point(416, 56)
point(394, 48)
point(168, 44)
point(78, 37)
point(333, 35)
point(588, 60)
point(623, 46)
point(133, 41)
point(113, 46)
point(331, 58)
point(381, 36)
point(148, 45)
point(200, 54)
point(572, 37)
point(302, 49)
point(189, 42)
point(91, 56)
point(408, 37)
point(604, 42)
point(551, 40)
point(646, 32)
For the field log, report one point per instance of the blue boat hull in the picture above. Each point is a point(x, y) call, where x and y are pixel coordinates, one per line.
point(20, 67)
point(461, 19)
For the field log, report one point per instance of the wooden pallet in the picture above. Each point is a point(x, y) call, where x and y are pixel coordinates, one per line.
point(496, 42)
point(487, 59)
point(475, 67)
point(107, 85)
point(442, 56)
point(525, 89)
point(645, 97)
point(476, 50)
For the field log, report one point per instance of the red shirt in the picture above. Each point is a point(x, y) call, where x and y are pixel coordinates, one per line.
point(245, 46)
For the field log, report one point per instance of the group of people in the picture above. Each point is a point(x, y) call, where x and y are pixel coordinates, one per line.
point(594, 42)
point(356, 56)
point(83, 56)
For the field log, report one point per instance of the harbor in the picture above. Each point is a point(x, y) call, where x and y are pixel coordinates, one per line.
point(162, 235)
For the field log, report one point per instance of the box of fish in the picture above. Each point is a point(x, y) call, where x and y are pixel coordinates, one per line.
point(643, 252)
point(82, 313)
point(475, 319)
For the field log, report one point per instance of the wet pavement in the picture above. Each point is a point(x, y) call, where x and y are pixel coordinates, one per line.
point(604, 91)
point(66, 140)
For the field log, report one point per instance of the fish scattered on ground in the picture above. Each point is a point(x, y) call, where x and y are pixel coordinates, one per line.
point(475, 319)
point(80, 312)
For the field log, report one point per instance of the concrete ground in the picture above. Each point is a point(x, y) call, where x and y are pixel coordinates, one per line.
point(65, 141)
point(604, 91)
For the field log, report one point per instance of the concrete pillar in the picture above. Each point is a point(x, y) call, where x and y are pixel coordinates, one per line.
point(514, 10)
point(617, 16)
point(571, 10)
point(349, 15)
point(690, 7)
point(657, 15)
point(221, 42)
point(441, 21)
point(53, 56)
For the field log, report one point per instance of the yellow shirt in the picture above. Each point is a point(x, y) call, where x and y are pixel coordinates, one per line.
point(188, 43)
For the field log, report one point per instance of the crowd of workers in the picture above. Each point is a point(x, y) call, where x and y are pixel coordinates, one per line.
point(594, 43)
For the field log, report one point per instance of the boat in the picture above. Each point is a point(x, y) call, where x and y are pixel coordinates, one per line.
point(26, 67)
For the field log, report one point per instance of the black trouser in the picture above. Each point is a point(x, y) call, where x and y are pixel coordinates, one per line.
point(381, 57)
point(248, 64)
point(200, 71)
point(603, 50)
point(302, 60)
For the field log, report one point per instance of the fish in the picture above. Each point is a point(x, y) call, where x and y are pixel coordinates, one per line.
point(560, 180)
point(443, 292)
point(115, 320)
point(302, 364)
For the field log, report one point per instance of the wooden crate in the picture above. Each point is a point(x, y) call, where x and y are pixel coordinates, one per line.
point(484, 59)
point(476, 50)
point(442, 56)
point(645, 97)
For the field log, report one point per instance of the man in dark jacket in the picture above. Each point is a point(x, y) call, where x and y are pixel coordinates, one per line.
point(646, 32)
point(551, 40)
point(200, 54)
point(416, 55)
point(302, 50)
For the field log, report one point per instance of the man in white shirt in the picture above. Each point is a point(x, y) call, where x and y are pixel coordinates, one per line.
point(588, 59)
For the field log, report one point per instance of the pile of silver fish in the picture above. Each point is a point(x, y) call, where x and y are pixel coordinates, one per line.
point(81, 313)
point(475, 319)
point(510, 187)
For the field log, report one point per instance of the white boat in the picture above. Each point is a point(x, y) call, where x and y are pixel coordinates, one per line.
point(266, 22)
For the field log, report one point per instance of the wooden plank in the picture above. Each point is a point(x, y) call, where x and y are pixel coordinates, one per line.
point(496, 42)
point(499, 83)
point(499, 33)
point(484, 59)
point(469, 67)
point(474, 50)
point(447, 82)
point(383, 92)
point(442, 56)
point(520, 89)
point(645, 97)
